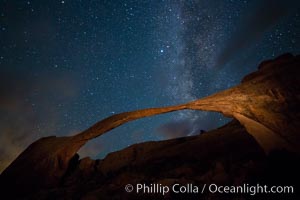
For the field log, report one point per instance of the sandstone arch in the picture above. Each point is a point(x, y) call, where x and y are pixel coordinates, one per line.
point(266, 104)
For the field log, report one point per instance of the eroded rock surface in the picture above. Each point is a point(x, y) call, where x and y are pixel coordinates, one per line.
point(266, 103)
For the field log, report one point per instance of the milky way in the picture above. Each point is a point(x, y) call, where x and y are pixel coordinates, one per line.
point(65, 65)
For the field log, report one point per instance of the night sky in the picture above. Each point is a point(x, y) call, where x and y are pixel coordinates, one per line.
point(65, 65)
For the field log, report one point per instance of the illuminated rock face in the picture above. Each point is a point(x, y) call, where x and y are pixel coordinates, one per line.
point(266, 104)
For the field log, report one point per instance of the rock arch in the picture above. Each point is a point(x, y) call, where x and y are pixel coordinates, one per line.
point(265, 103)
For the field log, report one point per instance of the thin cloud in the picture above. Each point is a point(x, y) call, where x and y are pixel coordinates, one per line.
point(21, 109)
point(252, 28)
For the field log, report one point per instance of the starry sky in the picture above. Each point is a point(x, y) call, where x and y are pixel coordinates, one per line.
point(66, 64)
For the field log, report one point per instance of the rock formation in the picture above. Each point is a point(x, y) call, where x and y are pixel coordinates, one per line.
point(265, 107)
